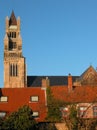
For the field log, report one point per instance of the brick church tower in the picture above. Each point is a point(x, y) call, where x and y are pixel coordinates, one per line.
point(14, 62)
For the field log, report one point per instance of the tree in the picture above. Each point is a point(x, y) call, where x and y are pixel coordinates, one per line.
point(46, 126)
point(72, 121)
point(20, 120)
point(75, 122)
point(53, 114)
point(1, 123)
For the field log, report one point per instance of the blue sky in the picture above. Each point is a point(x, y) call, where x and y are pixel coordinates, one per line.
point(59, 36)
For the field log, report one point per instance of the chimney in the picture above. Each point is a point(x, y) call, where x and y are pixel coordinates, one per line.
point(45, 82)
point(70, 83)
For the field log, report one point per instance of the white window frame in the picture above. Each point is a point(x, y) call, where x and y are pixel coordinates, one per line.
point(64, 111)
point(3, 99)
point(94, 111)
point(35, 114)
point(34, 98)
point(2, 114)
point(82, 110)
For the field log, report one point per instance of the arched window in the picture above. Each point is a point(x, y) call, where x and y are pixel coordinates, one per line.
point(13, 70)
point(10, 70)
point(12, 34)
point(16, 70)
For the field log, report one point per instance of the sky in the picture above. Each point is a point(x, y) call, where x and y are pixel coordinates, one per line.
point(59, 36)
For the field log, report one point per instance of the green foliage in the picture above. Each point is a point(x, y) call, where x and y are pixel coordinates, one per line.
point(20, 120)
point(73, 117)
point(53, 114)
point(1, 123)
point(88, 124)
point(46, 126)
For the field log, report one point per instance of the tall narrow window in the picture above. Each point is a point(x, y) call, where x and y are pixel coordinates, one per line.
point(12, 34)
point(12, 45)
point(16, 70)
point(11, 70)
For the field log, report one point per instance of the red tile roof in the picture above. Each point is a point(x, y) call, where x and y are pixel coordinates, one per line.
point(83, 94)
point(18, 97)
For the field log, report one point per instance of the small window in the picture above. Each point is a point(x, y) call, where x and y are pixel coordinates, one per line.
point(82, 111)
point(2, 114)
point(64, 112)
point(3, 99)
point(34, 98)
point(35, 114)
point(95, 108)
point(95, 111)
point(83, 108)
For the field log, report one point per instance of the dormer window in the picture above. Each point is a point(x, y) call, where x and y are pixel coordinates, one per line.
point(34, 98)
point(2, 114)
point(3, 99)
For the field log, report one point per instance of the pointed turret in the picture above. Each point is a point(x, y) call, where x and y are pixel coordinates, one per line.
point(12, 20)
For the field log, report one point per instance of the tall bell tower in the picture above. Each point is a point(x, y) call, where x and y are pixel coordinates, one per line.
point(14, 62)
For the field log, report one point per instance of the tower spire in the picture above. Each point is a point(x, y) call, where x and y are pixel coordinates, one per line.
point(12, 20)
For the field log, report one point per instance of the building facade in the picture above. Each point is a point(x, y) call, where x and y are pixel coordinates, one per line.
point(20, 89)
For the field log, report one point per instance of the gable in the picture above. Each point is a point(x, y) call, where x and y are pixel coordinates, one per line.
point(89, 77)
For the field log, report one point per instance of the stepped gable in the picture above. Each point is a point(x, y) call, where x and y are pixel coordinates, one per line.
point(35, 81)
point(12, 20)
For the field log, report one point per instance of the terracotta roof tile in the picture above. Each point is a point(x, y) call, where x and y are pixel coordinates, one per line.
point(18, 97)
point(79, 94)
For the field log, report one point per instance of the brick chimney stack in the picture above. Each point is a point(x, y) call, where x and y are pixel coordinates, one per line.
point(70, 83)
point(45, 82)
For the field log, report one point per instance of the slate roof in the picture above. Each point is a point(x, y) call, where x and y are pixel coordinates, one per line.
point(35, 81)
